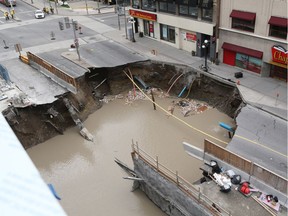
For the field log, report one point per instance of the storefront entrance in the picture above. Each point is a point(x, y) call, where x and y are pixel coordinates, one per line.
point(148, 28)
point(278, 72)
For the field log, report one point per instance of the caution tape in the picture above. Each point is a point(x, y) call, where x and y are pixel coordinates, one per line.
point(198, 130)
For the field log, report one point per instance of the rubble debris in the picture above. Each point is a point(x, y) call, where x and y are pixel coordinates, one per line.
point(83, 131)
point(190, 107)
point(86, 134)
point(20, 100)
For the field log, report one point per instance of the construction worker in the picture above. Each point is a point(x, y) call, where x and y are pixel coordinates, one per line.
point(12, 12)
point(6, 14)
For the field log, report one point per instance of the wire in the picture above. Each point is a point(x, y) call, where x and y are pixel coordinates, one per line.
point(196, 129)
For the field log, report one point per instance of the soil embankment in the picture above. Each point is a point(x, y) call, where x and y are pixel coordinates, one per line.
point(38, 123)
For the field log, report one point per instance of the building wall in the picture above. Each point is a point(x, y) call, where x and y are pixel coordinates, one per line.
point(259, 40)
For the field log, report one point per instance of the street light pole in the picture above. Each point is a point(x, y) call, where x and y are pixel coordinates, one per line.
point(132, 21)
point(205, 47)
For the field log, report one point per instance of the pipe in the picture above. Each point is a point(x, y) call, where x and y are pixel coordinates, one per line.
point(182, 91)
point(174, 83)
point(141, 82)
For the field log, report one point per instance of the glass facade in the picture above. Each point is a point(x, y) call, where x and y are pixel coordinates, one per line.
point(167, 33)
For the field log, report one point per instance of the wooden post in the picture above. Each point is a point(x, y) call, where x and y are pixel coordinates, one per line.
point(153, 99)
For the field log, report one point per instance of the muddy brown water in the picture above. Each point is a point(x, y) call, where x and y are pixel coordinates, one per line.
point(84, 173)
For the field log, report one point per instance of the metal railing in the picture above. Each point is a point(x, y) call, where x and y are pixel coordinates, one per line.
point(52, 69)
point(185, 186)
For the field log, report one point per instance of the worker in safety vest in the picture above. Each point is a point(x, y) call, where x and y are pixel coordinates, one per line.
point(6, 15)
point(12, 12)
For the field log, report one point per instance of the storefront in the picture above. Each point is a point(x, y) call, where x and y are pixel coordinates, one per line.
point(279, 62)
point(149, 20)
point(242, 57)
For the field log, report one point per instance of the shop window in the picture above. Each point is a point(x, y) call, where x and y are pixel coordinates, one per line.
point(169, 7)
point(278, 31)
point(248, 62)
point(136, 4)
point(149, 5)
point(167, 33)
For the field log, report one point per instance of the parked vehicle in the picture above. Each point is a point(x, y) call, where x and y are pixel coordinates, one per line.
point(8, 3)
point(39, 14)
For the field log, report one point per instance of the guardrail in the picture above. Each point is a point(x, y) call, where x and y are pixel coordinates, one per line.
point(186, 187)
point(54, 70)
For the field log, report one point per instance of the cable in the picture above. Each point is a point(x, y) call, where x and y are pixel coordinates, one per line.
point(196, 129)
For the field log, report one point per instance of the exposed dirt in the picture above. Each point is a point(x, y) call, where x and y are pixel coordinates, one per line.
point(36, 124)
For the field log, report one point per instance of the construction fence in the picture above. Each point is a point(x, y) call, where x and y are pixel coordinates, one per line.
point(181, 183)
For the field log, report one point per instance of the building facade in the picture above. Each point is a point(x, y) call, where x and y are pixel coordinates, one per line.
point(184, 24)
point(253, 36)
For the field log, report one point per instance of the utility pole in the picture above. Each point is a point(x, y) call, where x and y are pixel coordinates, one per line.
point(74, 23)
point(86, 7)
point(56, 2)
point(125, 23)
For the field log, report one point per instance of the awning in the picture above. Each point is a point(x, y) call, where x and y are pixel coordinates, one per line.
point(278, 21)
point(243, 15)
point(243, 50)
point(278, 64)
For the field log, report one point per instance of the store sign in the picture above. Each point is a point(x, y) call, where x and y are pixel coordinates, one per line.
point(279, 54)
point(143, 15)
point(191, 37)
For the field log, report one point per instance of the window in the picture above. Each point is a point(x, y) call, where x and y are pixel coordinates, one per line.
point(167, 33)
point(166, 6)
point(243, 20)
point(148, 5)
point(188, 7)
point(135, 4)
point(188, 10)
point(207, 14)
point(278, 27)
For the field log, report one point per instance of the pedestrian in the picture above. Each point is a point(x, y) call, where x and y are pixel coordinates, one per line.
point(12, 12)
point(6, 14)
point(52, 10)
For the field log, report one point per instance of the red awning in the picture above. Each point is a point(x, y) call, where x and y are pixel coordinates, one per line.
point(243, 50)
point(278, 21)
point(243, 15)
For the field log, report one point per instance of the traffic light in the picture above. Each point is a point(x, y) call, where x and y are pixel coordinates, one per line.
point(61, 25)
point(67, 22)
point(75, 24)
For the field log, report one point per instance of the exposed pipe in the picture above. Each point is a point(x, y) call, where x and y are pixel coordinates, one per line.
point(174, 83)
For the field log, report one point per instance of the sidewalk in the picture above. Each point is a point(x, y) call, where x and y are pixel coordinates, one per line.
point(264, 92)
